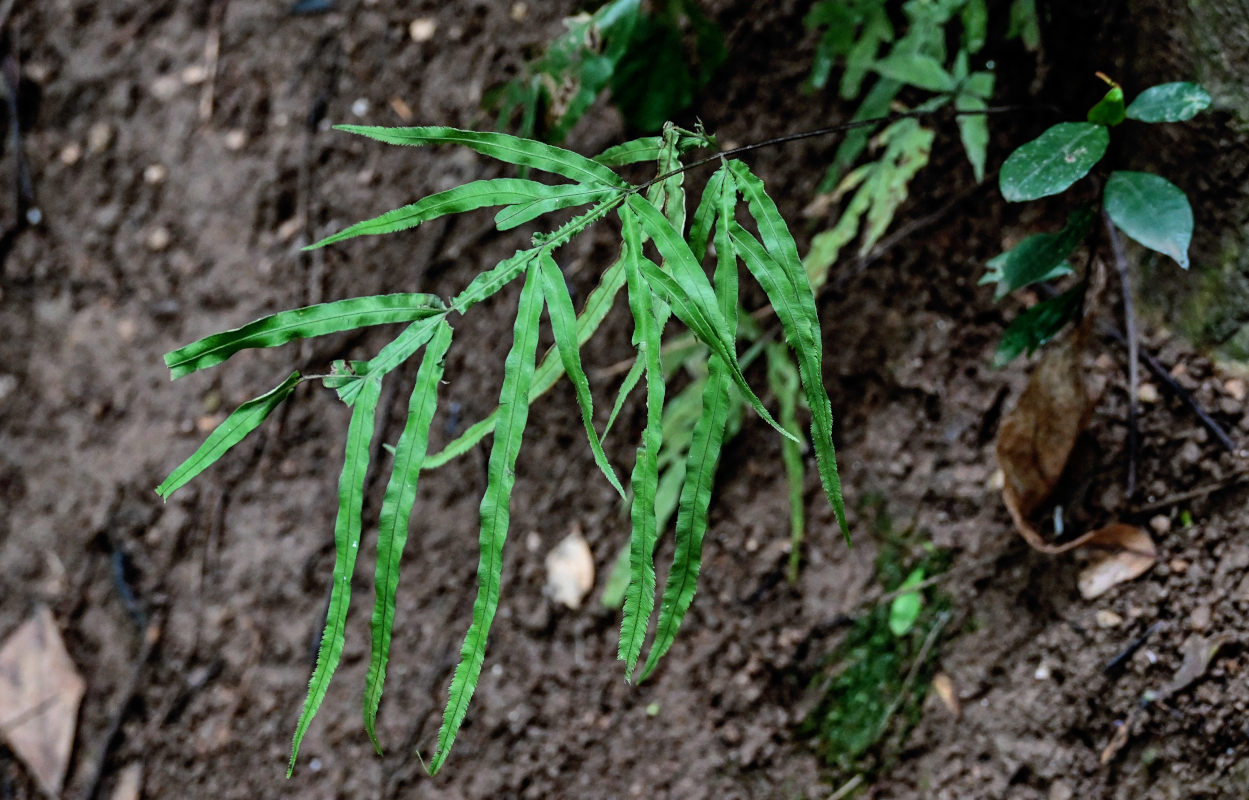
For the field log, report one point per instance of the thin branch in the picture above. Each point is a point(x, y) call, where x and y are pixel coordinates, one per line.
point(1129, 323)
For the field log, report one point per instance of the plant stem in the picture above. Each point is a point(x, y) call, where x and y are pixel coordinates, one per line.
point(1129, 324)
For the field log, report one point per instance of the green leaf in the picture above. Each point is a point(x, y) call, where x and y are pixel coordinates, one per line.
point(495, 511)
point(346, 547)
point(784, 280)
point(905, 608)
point(705, 215)
point(632, 152)
point(511, 149)
point(785, 384)
point(399, 350)
point(550, 371)
point(564, 325)
point(1053, 161)
point(1169, 102)
point(470, 196)
point(300, 323)
point(974, 131)
point(917, 70)
point(975, 25)
point(1037, 325)
point(1025, 24)
point(392, 532)
point(626, 388)
point(689, 293)
point(640, 596)
point(1109, 110)
point(553, 199)
point(1151, 210)
point(245, 419)
point(1038, 258)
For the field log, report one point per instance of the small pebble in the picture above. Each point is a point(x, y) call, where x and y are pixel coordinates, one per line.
point(127, 328)
point(1236, 388)
point(1108, 619)
point(422, 29)
point(519, 10)
point(1147, 393)
point(1190, 453)
point(1178, 565)
point(1199, 619)
point(360, 107)
point(159, 239)
point(235, 139)
point(155, 174)
point(194, 74)
point(165, 87)
point(7, 384)
point(1160, 524)
point(71, 153)
point(1042, 672)
point(99, 137)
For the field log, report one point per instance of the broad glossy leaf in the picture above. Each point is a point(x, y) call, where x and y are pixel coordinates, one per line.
point(278, 329)
point(392, 530)
point(564, 326)
point(553, 198)
point(470, 196)
point(245, 419)
point(495, 510)
point(512, 149)
point(1053, 161)
point(1037, 325)
point(1169, 102)
point(347, 530)
point(917, 70)
point(1040, 257)
point(1151, 210)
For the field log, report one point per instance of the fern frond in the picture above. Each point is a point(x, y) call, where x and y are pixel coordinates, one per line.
point(392, 532)
point(347, 529)
point(495, 512)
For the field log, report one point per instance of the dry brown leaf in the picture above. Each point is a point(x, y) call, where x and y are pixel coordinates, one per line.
point(1131, 554)
point(39, 695)
point(943, 685)
point(1198, 653)
point(570, 570)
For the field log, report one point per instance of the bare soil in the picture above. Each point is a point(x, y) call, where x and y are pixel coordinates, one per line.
point(176, 190)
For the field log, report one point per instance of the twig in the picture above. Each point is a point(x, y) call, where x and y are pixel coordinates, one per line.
point(1115, 665)
point(847, 787)
point(1193, 494)
point(212, 56)
point(1129, 322)
point(151, 637)
point(931, 639)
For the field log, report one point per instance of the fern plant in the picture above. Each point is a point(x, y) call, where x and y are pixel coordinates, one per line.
point(652, 223)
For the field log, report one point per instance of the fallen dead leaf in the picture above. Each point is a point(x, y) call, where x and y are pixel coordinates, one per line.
point(1198, 653)
point(943, 685)
point(570, 570)
point(39, 695)
point(1131, 554)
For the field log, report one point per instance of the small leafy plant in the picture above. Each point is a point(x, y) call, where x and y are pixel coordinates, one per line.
point(652, 219)
point(1146, 207)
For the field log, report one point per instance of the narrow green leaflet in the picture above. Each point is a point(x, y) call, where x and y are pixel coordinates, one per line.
point(550, 370)
point(564, 325)
point(392, 532)
point(495, 511)
point(300, 323)
point(399, 350)
point(1152, 210)
point(511, 149)
point(346, 547)
point(245, 419)
point(690, 294)
point(553, 199)
point(917, 70)
point(784, 280)
point(1040, 257)
point(1169, 102)
point(705, 215)
point(808, 348)
point(632, 152)
point(784, 381)
point(631, 379)
point(1053, 161)
point(640, 596)
point(973, 130)
point(470, 196)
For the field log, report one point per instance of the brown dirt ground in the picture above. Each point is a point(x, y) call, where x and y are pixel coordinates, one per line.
point(162, 226)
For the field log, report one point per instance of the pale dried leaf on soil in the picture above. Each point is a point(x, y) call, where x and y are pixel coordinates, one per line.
point(1132, 555)
point(39, 694)
point(570, 570)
